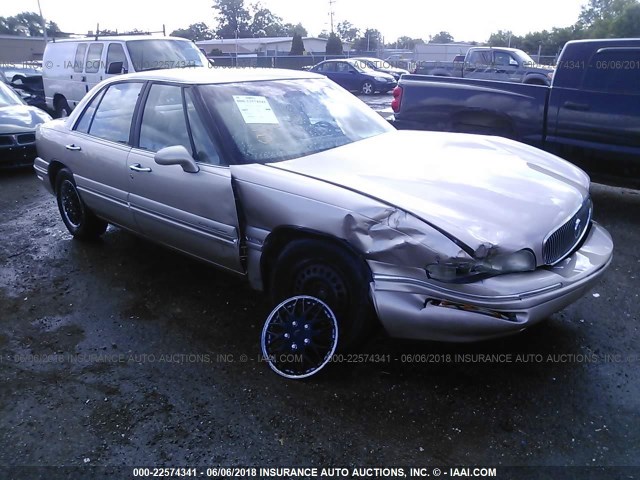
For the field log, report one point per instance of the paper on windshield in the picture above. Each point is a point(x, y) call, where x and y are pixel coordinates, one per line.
point(255, 109)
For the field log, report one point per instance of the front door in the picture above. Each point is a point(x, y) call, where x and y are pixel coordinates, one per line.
point(192, 212)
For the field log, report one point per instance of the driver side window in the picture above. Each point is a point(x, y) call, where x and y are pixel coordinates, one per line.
point(163, 120)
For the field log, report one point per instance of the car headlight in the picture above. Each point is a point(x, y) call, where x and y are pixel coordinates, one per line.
point(460, 270)
point(381, 79)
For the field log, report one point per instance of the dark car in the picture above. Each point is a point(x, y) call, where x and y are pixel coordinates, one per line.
point(381, 66)
point(18, 123)
point(26, 80)
point(356, 76)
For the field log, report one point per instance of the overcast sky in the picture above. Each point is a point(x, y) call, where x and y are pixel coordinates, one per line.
point(466, 20)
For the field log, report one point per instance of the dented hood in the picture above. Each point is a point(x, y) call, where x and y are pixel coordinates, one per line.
point(481, 190)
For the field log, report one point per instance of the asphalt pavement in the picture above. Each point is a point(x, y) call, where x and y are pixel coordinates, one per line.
point(122, 353)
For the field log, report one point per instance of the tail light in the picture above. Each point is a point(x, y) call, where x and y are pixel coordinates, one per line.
point(397, 99)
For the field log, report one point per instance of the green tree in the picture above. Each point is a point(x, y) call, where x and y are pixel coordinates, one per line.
point(297, 45)
point(627, 25)
point(233, 18)
point(195, 32)
point(323, 34)
point(293, 29)
point(334, 45)
point(407, 42)
point(442, 37)
point(503, 38)
point(265, 23)
point(347, 31)
point(598, 18)
point(28, 24)
point(369, 41)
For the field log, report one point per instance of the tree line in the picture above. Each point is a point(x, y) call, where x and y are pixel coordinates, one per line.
point(235, 19)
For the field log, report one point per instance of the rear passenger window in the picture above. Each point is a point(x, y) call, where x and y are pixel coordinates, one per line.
point(78, 61)
point(84, 123)
point(614, 70)
point(112, 119)
point(93, 58)
point(163, 121)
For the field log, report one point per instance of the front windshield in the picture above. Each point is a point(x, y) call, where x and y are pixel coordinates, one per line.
point(8, 97)
point(524, 59)
point(272, 121)
point(158, 53)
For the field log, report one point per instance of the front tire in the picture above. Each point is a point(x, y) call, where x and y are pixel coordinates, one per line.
point(79, 220)
point(368, 88)
point(325, 271)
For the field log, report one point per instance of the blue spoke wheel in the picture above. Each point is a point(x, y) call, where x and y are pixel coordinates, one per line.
point(299, 337)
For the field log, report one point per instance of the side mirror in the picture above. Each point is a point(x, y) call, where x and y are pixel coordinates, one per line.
point(177, 155)
point(115, 68)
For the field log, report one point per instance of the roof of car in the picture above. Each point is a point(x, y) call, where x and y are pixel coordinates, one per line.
point(206, 75)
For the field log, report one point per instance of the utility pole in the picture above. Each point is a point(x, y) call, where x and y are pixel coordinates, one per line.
point(44, 23)
point(331, 13)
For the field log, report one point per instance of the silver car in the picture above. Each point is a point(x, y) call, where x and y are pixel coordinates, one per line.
point(286, 179)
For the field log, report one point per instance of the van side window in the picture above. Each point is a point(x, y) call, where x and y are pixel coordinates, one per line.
point(614, 70)
point(115, 53)
point(78, 62)
point(112, 120)
point(93, 58)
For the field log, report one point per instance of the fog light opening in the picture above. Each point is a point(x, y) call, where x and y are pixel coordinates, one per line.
point(509, 317)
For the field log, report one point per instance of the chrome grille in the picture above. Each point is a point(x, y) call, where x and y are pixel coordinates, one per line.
point(562, 242)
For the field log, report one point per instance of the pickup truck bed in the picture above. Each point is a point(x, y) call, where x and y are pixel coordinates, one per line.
point(485, 107)
point(590, 115)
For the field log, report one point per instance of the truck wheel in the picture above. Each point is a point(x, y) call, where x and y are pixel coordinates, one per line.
point(79, 220)
point(368, 88)
point(329, 273)
point(62, 109)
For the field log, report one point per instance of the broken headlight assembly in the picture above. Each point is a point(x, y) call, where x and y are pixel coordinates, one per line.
point(467, 269)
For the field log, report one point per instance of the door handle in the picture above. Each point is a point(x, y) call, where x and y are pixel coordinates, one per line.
point(136, 167)
point(581, 107)
point(73, 147)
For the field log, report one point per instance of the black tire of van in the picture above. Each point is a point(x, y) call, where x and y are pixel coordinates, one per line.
point(62, 107)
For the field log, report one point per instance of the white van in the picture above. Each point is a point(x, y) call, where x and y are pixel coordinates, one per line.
point(72, 67)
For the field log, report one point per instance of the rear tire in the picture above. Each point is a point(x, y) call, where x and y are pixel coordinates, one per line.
point(331, 274)
point(79, 220)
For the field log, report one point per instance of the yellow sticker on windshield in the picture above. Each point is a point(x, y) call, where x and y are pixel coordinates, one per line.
point(255, 109)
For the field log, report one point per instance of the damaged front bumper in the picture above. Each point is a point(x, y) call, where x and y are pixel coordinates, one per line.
point(417, 308)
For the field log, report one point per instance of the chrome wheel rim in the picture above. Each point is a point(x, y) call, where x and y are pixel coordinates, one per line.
point(299, 337)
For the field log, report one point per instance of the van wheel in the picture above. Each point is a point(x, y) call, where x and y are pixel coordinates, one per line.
point(62, 108)
point(325, 271)
point(79, 220)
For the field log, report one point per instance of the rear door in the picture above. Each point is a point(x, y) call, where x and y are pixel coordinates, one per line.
point(77, 85)
point(347, 76)
point(98, 148)
point(94, 66)
point(191, 212)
